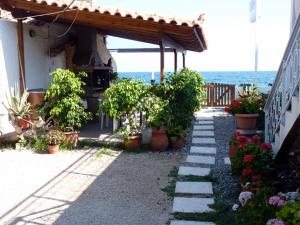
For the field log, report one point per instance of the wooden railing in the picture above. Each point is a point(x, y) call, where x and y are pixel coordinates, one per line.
point(219, 94)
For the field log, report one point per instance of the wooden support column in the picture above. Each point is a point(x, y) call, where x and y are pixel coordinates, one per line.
point(69, 62)
point(183, 60)
point(162, 62)
point(175, 60)
point(21, 56)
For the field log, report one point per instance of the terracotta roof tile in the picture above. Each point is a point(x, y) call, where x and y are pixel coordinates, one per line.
point(85, 6)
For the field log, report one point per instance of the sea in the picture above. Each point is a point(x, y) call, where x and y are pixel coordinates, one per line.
point(261, 79)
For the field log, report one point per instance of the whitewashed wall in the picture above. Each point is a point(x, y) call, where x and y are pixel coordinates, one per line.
point(295, 9)
point(37, 62)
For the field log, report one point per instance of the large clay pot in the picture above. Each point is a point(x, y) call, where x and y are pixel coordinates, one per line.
point(36, 97)
point(72, 137)
point(246, 121)
point(133, 142)
point(23, 123)
point(178, 143)
point(52, 149)
point(159, 140)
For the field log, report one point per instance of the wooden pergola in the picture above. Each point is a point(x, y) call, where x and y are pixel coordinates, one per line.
point(170, 34)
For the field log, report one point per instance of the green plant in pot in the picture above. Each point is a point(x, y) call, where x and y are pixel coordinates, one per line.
point(123, 101)
point(177, 136)
point(54, 138)
point(19, 108)
point(63, 103)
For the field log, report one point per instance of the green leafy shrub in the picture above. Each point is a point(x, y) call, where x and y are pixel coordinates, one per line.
point(63, 102)
point(54, 137)
point(290, 213)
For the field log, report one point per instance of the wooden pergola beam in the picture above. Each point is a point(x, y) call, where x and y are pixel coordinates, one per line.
point(175, 60)
point(183, 60)
point(162, 61)
point(167, 41)
point(21, 56)
point(139, 50)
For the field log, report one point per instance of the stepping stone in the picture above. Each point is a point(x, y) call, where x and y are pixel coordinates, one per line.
point(204, 127)
point(192, 205)
point(194, 187)
point(202, 117)
point(201, 159)
point(203, 140)
point(227, 161)
point(183, 222)
point(203, 150)
point(205, 122)
point(193, 171)
point(207, 133)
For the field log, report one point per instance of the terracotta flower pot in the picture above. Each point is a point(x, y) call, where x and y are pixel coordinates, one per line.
point(23, 123)
point(52, 149)
point(72, 137)
point(178, 144)
point(133, 142)
point(159, 140)
point(246, 121)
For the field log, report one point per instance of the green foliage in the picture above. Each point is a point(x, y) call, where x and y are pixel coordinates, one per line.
point(257, 211)
point(63, 101)
point(290, 213)
point(54, 137)
point(39, 144)
point(123, 100)
point(18, 107)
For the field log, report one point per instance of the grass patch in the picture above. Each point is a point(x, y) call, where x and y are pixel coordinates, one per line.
point(170, 188)
point(222, 215)
point(106, 151)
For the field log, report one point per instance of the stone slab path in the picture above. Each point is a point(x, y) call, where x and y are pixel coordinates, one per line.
point(198, 163)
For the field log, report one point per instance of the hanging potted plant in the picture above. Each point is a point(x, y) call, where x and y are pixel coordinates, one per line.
point(54, 138)
point(19, 108)
point(246, 110)
point(63, 103)
point(123, 101)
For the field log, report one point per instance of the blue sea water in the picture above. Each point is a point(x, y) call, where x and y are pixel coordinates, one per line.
point(262, 79)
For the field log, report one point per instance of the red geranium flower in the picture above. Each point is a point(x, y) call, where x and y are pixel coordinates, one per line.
point(246, 172)
point(241, 146)
point(248, 158)
point(256, 178)
point(265, 147)
point(241, 139)
point(256, 139)
point(260, 100)
point(236, 103)
point(236, 134)
point(228, 109)
point(231, 151)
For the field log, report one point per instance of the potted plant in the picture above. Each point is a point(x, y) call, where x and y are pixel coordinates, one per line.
point(63, 103)
point(123, 101)
point(177, 136)
point(54, 138)
point(19, 108)
point(246, 110)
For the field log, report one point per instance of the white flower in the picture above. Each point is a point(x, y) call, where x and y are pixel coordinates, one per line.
point(235, 207)
point(244, 197)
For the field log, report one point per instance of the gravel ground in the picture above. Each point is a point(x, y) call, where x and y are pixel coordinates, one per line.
point(82, 187)
point(227, 186)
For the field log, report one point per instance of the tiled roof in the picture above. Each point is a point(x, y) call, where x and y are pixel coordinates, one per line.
point(85, 6)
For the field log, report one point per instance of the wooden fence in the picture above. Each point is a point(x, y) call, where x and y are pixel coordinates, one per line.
point(219, 94)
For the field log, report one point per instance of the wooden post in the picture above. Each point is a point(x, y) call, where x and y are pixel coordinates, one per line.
point(183, 60)
point(69, 62)
point(162, 62)
point(21, 56)
point(175, 60)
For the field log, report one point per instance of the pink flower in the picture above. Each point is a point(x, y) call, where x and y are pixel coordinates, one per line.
point(256, 139)
point(281, 202)
point(275, 222)
point(274, 200)
point(248, 158)
point(246, 172)
point(265, 147)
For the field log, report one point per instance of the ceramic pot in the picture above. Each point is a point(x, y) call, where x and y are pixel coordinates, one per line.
point(72, 137)
point(246, 121)
point(52, 149)
point(23, 123)
point(159, 140)
point(178, 144)
point(133, 142)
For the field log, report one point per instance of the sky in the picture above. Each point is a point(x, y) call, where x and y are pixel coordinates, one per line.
point(229, 33)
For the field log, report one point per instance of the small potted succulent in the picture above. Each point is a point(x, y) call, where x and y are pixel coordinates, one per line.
point(54, 138)
point(19, 109)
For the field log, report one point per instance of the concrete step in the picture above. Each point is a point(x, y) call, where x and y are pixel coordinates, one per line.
point(193, 187)
point(192, 205)
point(227, 161)
point(201, 159)
point(203, 150)
point(204, 122)
point(202, 140)
point(204, 127)
point(193, 171)
point(206, 133)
